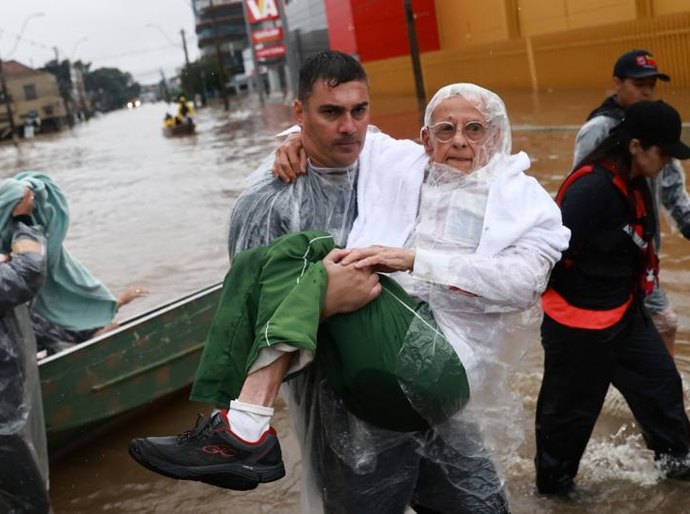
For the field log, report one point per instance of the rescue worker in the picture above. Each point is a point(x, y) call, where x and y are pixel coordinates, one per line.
point(185, 112)
point(635, 76)
point(596, 330)
point(23, 455)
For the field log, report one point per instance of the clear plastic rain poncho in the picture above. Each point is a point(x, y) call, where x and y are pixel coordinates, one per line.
point(351, 466)
point(23, 452)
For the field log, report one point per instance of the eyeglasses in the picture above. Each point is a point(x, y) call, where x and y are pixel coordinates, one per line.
point(444, 131)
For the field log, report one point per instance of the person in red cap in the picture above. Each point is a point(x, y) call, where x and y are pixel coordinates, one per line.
point(635, 76)
point(596, 332)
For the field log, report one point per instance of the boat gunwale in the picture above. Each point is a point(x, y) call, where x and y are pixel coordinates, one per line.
point(133, 321)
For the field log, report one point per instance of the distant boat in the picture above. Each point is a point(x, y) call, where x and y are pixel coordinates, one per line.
point(183, 129)
point(147, 357)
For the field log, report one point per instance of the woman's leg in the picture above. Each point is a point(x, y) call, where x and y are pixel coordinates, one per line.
point(271, 295)
point(647, 377)
point(577, 371)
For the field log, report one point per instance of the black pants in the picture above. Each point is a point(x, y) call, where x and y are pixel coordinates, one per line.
point(579, 365)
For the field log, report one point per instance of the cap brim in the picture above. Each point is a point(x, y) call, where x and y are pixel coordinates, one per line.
point(677, 150)
point(643, 74)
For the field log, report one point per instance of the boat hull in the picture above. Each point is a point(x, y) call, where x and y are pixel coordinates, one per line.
point(183, 129)
point(145, 359)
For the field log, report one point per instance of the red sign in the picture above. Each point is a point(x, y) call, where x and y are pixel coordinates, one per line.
point(262, 10)
point(267, 35)
point(269, 52)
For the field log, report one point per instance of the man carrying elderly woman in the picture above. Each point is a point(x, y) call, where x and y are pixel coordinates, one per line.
point(410, 374)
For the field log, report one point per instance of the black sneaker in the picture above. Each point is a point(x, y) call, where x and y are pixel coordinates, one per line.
point(213, 454)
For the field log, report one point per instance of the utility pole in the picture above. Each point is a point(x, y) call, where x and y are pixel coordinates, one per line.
point(8, 104)
point(219, 58)
point(258, 83)
point(184, 47)
point(290, 64)
point(416, 63)
point(186, 68)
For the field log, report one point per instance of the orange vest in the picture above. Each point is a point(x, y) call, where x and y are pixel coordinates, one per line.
point(566, 314)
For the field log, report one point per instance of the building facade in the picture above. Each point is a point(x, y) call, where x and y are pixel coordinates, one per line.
point(221, 33)
point(534, 44)
point(32, 93)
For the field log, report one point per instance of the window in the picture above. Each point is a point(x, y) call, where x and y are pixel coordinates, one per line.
point(30, 92)
point(48, 110)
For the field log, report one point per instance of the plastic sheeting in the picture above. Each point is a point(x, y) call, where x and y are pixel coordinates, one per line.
point(23, 455)
point(324, 199)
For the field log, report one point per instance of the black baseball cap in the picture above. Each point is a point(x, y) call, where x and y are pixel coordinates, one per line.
point(637, 64)
point(656, 123)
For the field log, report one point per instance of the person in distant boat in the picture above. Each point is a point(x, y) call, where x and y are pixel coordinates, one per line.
point(267, 322)
point(169, 120)
point(23, 449)
point(72, 305)
point(185, 112)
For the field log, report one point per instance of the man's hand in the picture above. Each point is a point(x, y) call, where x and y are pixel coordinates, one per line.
point(380, 258)
point(349, 288)
point(290, 161)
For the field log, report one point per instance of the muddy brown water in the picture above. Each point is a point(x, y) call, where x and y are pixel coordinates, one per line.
point(153, 211)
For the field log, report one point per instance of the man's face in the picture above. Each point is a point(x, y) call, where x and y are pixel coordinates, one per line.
point(334, 122)
point(459, 145)
point(630, 91)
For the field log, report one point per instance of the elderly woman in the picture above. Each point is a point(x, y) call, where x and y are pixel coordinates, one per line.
point(477, 259)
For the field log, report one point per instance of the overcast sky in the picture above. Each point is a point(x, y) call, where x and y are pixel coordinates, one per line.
point(106, 33)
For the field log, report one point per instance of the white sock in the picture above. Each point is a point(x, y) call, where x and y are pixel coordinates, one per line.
point(249, 421)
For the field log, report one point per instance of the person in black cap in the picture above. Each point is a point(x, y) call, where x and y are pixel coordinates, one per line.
point(635, 75)
point(595, 330)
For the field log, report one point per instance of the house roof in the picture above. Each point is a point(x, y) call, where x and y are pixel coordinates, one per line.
point(11, 68)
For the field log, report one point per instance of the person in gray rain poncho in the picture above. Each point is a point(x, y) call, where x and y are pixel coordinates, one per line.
point(425, 455)
point(23, 455)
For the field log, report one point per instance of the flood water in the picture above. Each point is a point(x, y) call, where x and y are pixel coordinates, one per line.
point(153, 211)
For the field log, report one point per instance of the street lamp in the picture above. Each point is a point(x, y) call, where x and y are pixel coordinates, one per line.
point(3, 82)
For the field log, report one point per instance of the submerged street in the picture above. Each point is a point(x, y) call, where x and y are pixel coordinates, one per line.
point(153, 211)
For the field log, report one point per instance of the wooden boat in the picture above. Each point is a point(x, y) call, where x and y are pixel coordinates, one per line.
point(183, 129)
point(147, 357)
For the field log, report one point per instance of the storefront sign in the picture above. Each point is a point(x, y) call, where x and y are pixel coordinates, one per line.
point(262, 10)
point(267, 35)
point(269, 52)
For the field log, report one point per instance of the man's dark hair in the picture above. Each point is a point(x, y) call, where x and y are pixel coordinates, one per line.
point(331, 66)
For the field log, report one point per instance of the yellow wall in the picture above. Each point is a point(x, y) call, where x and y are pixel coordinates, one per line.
point(462, 24)
point(661, 7)
point(573, 58)
point(47, 91)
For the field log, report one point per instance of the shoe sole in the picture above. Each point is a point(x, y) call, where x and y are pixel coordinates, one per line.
point(235, 477)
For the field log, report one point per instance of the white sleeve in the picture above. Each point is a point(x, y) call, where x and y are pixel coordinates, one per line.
point(513, 278)
point(590, 135)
